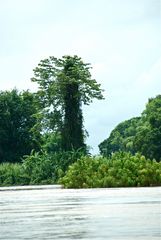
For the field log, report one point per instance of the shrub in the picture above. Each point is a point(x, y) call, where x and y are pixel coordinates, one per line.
point(120, 170)
point(46, 168)
point(37, 168)
point(13, 174)
point(40, 168)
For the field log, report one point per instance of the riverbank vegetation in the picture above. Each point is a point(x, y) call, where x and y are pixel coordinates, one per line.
point(140, 134)
point(119, 170)
point(43, 139)
point(122, 169)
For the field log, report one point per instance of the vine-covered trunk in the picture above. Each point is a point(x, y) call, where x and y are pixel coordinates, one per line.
point(72, 132)
point(64, 85)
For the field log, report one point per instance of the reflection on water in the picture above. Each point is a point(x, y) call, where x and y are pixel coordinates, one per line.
point(53, 213)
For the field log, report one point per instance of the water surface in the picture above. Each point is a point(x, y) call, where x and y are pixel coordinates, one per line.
point(90, 214)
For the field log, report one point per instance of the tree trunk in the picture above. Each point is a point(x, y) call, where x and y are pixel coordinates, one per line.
point(72, 132)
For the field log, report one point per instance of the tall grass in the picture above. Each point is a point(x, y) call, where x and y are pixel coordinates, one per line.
point(13, 174)
point(37, 168)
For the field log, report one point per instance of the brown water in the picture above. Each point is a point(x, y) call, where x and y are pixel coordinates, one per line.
point(96, 214)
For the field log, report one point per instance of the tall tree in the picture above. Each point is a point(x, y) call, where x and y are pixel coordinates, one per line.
point(19, 131)
point(140, 134)
point(64, 85)
point(148, 137)
point(121, 138)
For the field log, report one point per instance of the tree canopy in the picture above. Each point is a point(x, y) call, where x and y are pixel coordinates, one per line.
point(64, 85)
point(19, 132)
point(148, 136)
point(141, 134)
point(121, 138)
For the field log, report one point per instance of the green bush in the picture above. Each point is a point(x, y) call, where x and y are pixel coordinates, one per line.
point(40, 168)
point(13, 174)
point(37, 168)
point(47, 168)
point(120, 170)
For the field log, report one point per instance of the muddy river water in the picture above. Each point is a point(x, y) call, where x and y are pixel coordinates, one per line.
point(49, 212)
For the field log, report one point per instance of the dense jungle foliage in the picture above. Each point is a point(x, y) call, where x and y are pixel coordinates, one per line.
point(141, 134)
point(120, 170)
point(42, 136)
point(37, 168)
point(19, 128)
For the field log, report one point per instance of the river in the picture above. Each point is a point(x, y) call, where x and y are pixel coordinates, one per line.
point(49, 212)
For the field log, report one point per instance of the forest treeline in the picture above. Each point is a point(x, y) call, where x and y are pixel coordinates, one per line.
point(139, 134)
point(43, 139)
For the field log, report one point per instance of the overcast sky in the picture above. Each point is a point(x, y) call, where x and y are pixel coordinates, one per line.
point(120, 38)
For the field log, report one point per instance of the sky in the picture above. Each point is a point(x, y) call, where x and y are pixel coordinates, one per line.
point(120, 38)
